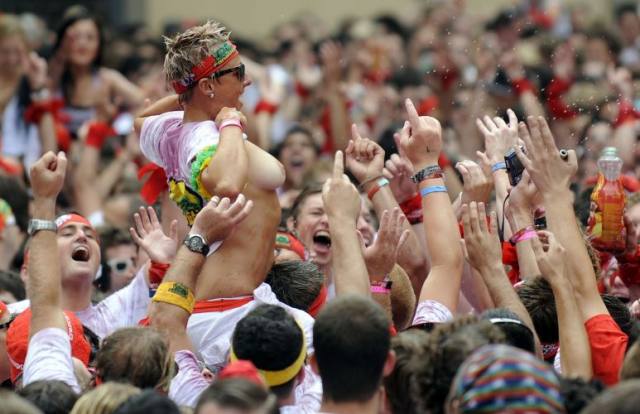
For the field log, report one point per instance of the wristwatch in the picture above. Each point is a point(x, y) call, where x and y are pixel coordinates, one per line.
point(35, 225)
point(197, 244)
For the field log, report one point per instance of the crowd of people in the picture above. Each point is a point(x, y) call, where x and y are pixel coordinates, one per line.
point(319, 221)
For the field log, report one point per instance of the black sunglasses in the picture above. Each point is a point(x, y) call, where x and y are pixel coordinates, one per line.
point(238, 70)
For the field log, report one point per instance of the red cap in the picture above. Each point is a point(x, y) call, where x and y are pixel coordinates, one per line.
point(242, 369)
point(18, 341)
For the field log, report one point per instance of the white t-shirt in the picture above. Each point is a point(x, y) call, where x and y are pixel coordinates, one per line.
point(189, 383)
point(210, 332)
point(121, 309)
point(174, 146)
point(49, 358)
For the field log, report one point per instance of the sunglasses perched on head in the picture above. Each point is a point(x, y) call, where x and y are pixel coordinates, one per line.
point(238, 70)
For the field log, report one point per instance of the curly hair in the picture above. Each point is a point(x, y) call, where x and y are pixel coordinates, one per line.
point(445, 350)
point(185, 50)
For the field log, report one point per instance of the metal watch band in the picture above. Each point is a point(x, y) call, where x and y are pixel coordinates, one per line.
point(36, 225)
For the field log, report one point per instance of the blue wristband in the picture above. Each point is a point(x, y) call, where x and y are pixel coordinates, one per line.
point(435, 189)
point(498, 166)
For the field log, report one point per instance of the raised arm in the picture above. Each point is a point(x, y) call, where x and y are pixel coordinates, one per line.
point(169, 312)
point(485, 254)
point(47, 179)
point(365, 160)
point(421, 140)
point(552, 175)
point(342, 204)
point(576, 362)
point(166, 104)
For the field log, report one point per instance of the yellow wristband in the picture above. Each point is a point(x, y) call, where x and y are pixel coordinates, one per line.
point(177, 294)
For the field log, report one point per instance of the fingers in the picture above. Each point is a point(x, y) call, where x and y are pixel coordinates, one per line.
point(547, 136)
point(500, 122)
point(483, 129)
point(523, 133)
point(355, 134)
point(139, 226)
point(338, 165)
point(482, 218)
point(153, 217)
point(244, 213)
point(537, 247)
point(526, 162)
point(144, 216)
point(489, 123)
point(403, 238)
point(513, 120)
point(473, 217)
point(61, 162)
point(414, 118)
point(236, 206)
point(466, 221)
point(134, 236)
point(494, 222)
point(387, 174)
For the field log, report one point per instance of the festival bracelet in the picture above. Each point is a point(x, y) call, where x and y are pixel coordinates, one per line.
point(177, 294)
point(498, 166)
point(230, 122)
point(433, 189)
point(526, 233)
point(379, 183)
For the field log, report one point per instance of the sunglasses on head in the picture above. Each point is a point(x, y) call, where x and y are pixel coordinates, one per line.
point(238, 70)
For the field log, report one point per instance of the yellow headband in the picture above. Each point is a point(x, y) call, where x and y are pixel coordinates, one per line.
point(275, 378)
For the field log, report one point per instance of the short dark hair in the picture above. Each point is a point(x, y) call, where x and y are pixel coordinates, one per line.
point(271, 338)
point(148, 401)
point(239, 394)
point(516, 333)
point(296, 129)
point(113, 237)
point(623, 398)
point(307, 191)
point(446, 348)
point(295, 283)
point(138, 356)
point(12, 283)
point(537, 297)
point(578, 393)
point(51, 396)
point(351, 339)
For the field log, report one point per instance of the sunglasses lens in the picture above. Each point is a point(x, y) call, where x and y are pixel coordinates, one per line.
point(240, 72)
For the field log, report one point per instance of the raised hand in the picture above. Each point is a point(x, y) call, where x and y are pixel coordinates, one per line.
point(499, 136)
point(47, 175)
point(478, 184)
point(382, 255)
point(522, 196)
point(340, 197)
point(230, 113)
point(483, 248)
point(398, 171)
point(331, 58)
point(550, 255)
point(365, 158)
point(149, 236)
point(35, 68)
point(219, 217)
point(421, 138)
point(549, 172)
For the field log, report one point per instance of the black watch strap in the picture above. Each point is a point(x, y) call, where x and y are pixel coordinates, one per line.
point(197, 244)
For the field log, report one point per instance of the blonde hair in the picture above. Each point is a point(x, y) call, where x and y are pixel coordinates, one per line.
point(187, 49)
point(105, 399)
point(10, 26)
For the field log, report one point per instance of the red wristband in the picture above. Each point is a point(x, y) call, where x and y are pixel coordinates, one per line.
point(264, 106)
point(379, 183)
point(412, 209)
point(98, 133)
point(157, 272)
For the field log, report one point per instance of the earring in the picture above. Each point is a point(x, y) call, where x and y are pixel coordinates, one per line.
point(211, 95)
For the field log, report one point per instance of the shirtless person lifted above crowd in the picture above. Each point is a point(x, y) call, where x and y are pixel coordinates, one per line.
point(204, 153)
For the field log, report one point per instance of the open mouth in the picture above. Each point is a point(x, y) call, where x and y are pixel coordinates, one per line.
point(322, 241)
point(80, 254)
point(296, 163)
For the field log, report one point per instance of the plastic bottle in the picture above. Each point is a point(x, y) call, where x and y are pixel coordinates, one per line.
point(606, 222)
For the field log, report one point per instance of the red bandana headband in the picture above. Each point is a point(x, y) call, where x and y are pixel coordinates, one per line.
point(66, 219)
point(206, 67)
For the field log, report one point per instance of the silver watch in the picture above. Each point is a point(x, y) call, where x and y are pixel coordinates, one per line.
point(35, 225)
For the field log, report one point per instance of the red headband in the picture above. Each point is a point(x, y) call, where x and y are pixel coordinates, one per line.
point(206, 67)
point(319, 302)
point(66, 219)
point(290, 242)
